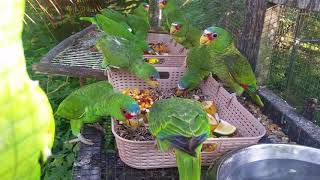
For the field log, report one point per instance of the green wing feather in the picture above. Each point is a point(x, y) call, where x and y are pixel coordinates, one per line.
point(117, 51)
point(199, 66)
point(239, 67)
point(113, 28)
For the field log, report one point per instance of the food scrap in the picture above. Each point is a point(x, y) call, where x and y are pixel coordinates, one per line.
point(158, 49)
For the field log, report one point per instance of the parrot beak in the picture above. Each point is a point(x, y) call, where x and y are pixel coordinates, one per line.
point(204, 40)
point(173, 30)
point(153, 83)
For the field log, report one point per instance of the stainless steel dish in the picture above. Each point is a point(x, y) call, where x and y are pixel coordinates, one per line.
point(268, 162)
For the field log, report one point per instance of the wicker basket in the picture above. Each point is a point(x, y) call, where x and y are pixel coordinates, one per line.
point(144, 155)
point(175, 58)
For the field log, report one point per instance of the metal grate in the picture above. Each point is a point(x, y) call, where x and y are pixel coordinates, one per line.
point(81, 53)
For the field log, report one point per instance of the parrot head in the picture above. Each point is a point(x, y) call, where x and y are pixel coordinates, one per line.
point(131, 110)
point(148, 73)
point(175, 27)
point(162, 3)
point(154, 79)
point(216, 37)
point(182, 86)
point(146, 6)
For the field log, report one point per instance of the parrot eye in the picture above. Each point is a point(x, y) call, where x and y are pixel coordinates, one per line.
point(215, 35)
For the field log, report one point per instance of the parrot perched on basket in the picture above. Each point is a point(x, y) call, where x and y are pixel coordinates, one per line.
point(229, 64)
point(185, 34)
point(199, 66)
point(181, 124)
point(26, 121)
point(93, 102)
point(137, 25)
point(122, 53)
point(119, 29)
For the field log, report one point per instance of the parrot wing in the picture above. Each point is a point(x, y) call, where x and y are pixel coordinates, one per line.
point(116, 16)
point(118, 51)
point(113, 28)
point(76, 104)
point(239, 67)
point(139, 26)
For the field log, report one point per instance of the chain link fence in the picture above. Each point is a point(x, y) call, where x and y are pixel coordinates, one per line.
point(295, 61)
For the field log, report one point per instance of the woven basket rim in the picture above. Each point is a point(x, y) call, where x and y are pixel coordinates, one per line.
point(206, 142)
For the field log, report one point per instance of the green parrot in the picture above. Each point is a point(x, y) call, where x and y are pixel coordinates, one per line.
point(137, 25)
point(199, 66)
point(171, 12)
point(185, 34)
point(26, 121)
point(93, 102)
point(183, 125)
point(142, 11)
point(117, 28)
point(122, 53)
point(229, 64)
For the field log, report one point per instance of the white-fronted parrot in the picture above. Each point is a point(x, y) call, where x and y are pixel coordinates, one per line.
point(181, 124)
point(123, 54)
point(26, 121)
point(92, 102)
point(229, 64)
point(171, 12)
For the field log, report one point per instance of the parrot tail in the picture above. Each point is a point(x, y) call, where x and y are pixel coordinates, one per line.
point(189, 166)
point(188, 145)
point(256, 98)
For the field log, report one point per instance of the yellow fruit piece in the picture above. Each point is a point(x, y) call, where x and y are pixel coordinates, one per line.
point(153, 60)
point(213, 123)
point(210, 107)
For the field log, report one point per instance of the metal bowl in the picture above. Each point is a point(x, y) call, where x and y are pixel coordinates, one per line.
point(268, 161)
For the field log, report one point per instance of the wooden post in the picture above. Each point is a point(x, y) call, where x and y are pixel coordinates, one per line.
point(249, 41)
point(312, 5)
point(154, 15)
point(263, 60)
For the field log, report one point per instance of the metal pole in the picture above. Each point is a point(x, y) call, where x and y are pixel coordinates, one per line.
point(154, 15)
point(293, 55)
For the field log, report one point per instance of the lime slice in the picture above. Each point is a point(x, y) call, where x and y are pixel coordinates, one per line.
point(224, 129)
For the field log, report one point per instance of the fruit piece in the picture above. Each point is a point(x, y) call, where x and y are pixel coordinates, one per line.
point(209, 107)
point(224, 129)
point(209, 147)
point(212, 122)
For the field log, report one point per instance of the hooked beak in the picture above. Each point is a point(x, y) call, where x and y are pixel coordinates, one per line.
point(153, 83)
point(173, 30)
point(204, 40)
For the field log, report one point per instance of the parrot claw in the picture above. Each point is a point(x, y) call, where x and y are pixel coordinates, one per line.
point(82, 139)
point(98, 127)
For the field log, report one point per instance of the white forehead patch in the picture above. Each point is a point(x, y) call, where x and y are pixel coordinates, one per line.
point(174, 24)
point(207, 32)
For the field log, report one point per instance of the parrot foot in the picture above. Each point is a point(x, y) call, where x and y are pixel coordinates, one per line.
point(82, 139)
point(98, 127)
